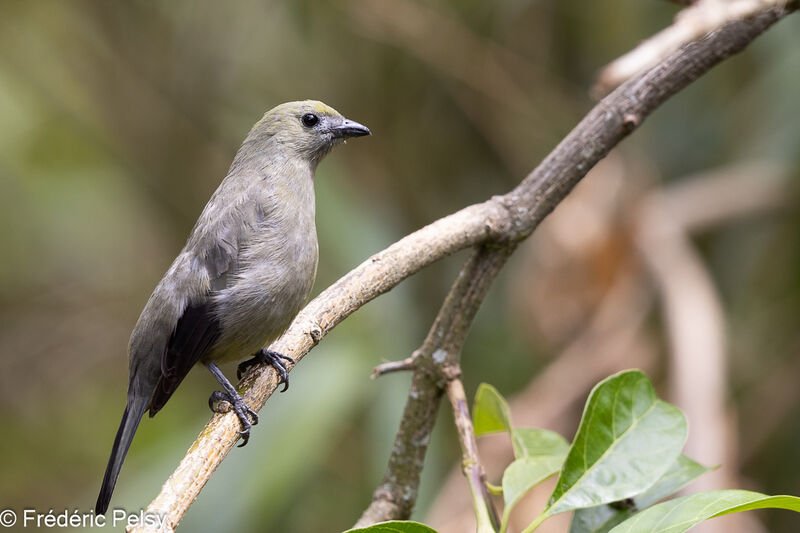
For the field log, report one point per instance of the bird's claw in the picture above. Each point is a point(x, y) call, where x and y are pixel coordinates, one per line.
point(239, 407)
point(271, 358)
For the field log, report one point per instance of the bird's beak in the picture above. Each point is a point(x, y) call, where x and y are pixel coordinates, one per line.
point(349, 128)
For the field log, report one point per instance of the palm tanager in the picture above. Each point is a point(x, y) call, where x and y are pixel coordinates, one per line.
point(245, 272)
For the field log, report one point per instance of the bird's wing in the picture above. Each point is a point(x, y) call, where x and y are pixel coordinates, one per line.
point(198, 326)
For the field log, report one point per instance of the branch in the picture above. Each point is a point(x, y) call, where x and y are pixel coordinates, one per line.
point(485, 514)
point(393, 366)
point(616, 341)
point(436, 364)
point(508, 218)
point(690, 24)
point(614, 334)
point(396, 495)
point(633, 102)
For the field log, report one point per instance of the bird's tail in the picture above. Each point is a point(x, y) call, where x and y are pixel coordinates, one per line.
point(134, 411)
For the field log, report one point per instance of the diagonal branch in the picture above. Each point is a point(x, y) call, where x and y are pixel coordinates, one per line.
point(423, 403)
point(690, 24)
point(435, 366)
point(506, 218)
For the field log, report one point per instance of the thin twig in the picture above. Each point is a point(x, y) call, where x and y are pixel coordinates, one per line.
point(508, 218)
point(485, 514)
point(393, 366)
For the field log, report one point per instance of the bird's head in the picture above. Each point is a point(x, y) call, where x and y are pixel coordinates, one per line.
point(306, 129)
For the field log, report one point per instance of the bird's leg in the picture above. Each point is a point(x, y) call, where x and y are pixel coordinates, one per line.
point(271, 358)
point(235, 399)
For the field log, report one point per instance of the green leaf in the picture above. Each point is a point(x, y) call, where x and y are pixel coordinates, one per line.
point(681, 473)
point(394, 526)
point(490, 412)
point(600, 519)
point(531, 442)
point(680, 514)
point(524, 474)
point(626, 441)
point(603, 518)
point(541, 454)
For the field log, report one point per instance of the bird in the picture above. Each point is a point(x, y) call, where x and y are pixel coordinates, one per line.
point(246, 270)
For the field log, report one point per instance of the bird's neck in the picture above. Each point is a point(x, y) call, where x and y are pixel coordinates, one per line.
point(281, 179)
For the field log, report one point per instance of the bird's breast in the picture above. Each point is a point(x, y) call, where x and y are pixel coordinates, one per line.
point(275, 275)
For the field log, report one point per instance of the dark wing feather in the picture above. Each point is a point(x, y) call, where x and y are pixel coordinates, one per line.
point(198, 328)
point(196, 331)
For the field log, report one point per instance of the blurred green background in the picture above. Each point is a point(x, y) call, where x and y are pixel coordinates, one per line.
point(118, 120)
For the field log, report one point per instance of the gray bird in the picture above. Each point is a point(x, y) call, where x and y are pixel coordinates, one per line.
point(245, 272)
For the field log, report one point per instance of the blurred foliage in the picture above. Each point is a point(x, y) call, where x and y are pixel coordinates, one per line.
point(120, 118)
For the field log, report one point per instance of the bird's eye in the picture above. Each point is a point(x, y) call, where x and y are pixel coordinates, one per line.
point(310, 120)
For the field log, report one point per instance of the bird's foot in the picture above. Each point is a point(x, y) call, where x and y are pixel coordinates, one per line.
point(268, 357)
point(239, 407)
